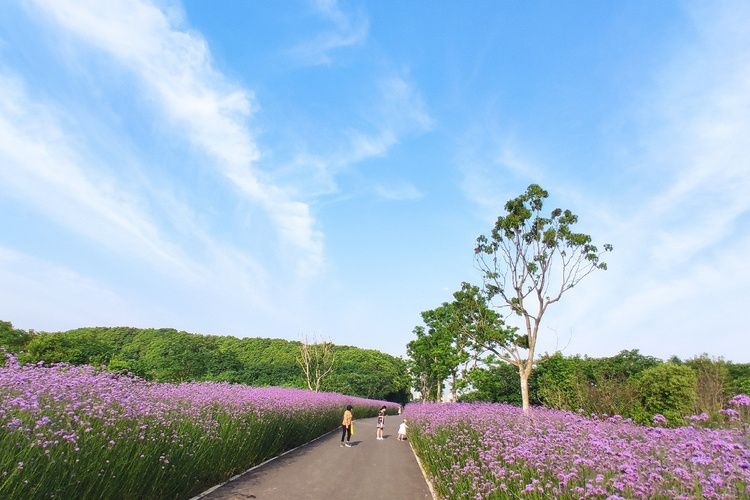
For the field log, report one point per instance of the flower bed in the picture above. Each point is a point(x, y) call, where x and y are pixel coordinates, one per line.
point(75, 432)
point(478, 451)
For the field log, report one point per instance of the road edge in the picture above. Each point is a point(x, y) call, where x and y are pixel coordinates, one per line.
point(237, 476)
point(424, 473)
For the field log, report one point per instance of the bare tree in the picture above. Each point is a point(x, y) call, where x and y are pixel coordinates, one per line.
point(317, 360)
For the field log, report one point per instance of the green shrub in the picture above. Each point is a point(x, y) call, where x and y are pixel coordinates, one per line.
point(12, 339)
point(497, 384)
point(668, 389)
point(556, 382)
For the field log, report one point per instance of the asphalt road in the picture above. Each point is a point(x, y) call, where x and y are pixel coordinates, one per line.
point(369, 470)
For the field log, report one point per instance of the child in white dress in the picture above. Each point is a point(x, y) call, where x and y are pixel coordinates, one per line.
point(402, 431)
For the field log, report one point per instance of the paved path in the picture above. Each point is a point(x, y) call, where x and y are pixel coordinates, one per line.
point(369, 470)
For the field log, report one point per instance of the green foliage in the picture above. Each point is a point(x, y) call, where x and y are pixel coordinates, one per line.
point(435, 354)
point(712, 383)
point(369, 373)
point(453, 334)
point(497, 383)
point(173, 356)
point(623, 365)
point(93, 346)
point(556, 381)
point(527, 243)
point(11, 339)
point(739, 378)
point(668, 389)
point(611, 385)
point(482, 328)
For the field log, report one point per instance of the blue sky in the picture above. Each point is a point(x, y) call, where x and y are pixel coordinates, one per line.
point(324, 168)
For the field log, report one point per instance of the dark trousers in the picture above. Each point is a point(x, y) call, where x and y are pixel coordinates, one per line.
point(346, 432)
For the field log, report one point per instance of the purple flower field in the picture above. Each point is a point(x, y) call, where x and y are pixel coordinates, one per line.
point(75, 432)
point(478, 451)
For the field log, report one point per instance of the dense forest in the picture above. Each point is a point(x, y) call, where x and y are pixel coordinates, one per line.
point(169, 355)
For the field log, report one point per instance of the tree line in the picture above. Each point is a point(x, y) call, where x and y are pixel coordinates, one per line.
point(482, 344)
point(629, 384)
point(169, 355)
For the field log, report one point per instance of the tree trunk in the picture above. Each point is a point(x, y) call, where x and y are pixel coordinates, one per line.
point(524, 389)
point(453, 389)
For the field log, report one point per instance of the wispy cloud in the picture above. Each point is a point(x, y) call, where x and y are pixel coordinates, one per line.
point(678, 275)
point(39, 166)
point(493, 169)
point(679, 222)
point(44, 166)
point(43, 295)
point(402, 191)
point(398, 111)
point(347, 29)
point(174, 67)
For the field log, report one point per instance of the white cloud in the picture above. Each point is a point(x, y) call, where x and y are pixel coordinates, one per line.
point(399, 110)
point(175, 69)
point(679, 273)
point(39, 166)
point(40, 295)
point(401, 191)
point(45, 167)
point(43, 295)
point(493, 170)
point(679, 224)
point(347, 30)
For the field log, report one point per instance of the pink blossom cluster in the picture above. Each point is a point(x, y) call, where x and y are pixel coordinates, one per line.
point(482, 451)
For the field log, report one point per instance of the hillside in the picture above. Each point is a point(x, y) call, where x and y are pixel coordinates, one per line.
point(170, 355)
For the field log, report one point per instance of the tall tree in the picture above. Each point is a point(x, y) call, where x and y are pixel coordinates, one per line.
point(317, 360)
point(443, 345)
point(436, 353)
point(528, 262)
point(425, 363)
point(449, 348)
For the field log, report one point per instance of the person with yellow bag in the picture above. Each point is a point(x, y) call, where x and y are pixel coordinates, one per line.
point(347, 427)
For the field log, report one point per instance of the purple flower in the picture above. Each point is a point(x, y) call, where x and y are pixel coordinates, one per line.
point(698, 418)
point(740, 400)
point(78, 414)
point(730, 413)
point(659, 419)
point(491, 445)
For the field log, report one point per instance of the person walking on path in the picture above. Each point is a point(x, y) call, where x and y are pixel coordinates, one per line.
point(346, 427)
point(381, 423)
